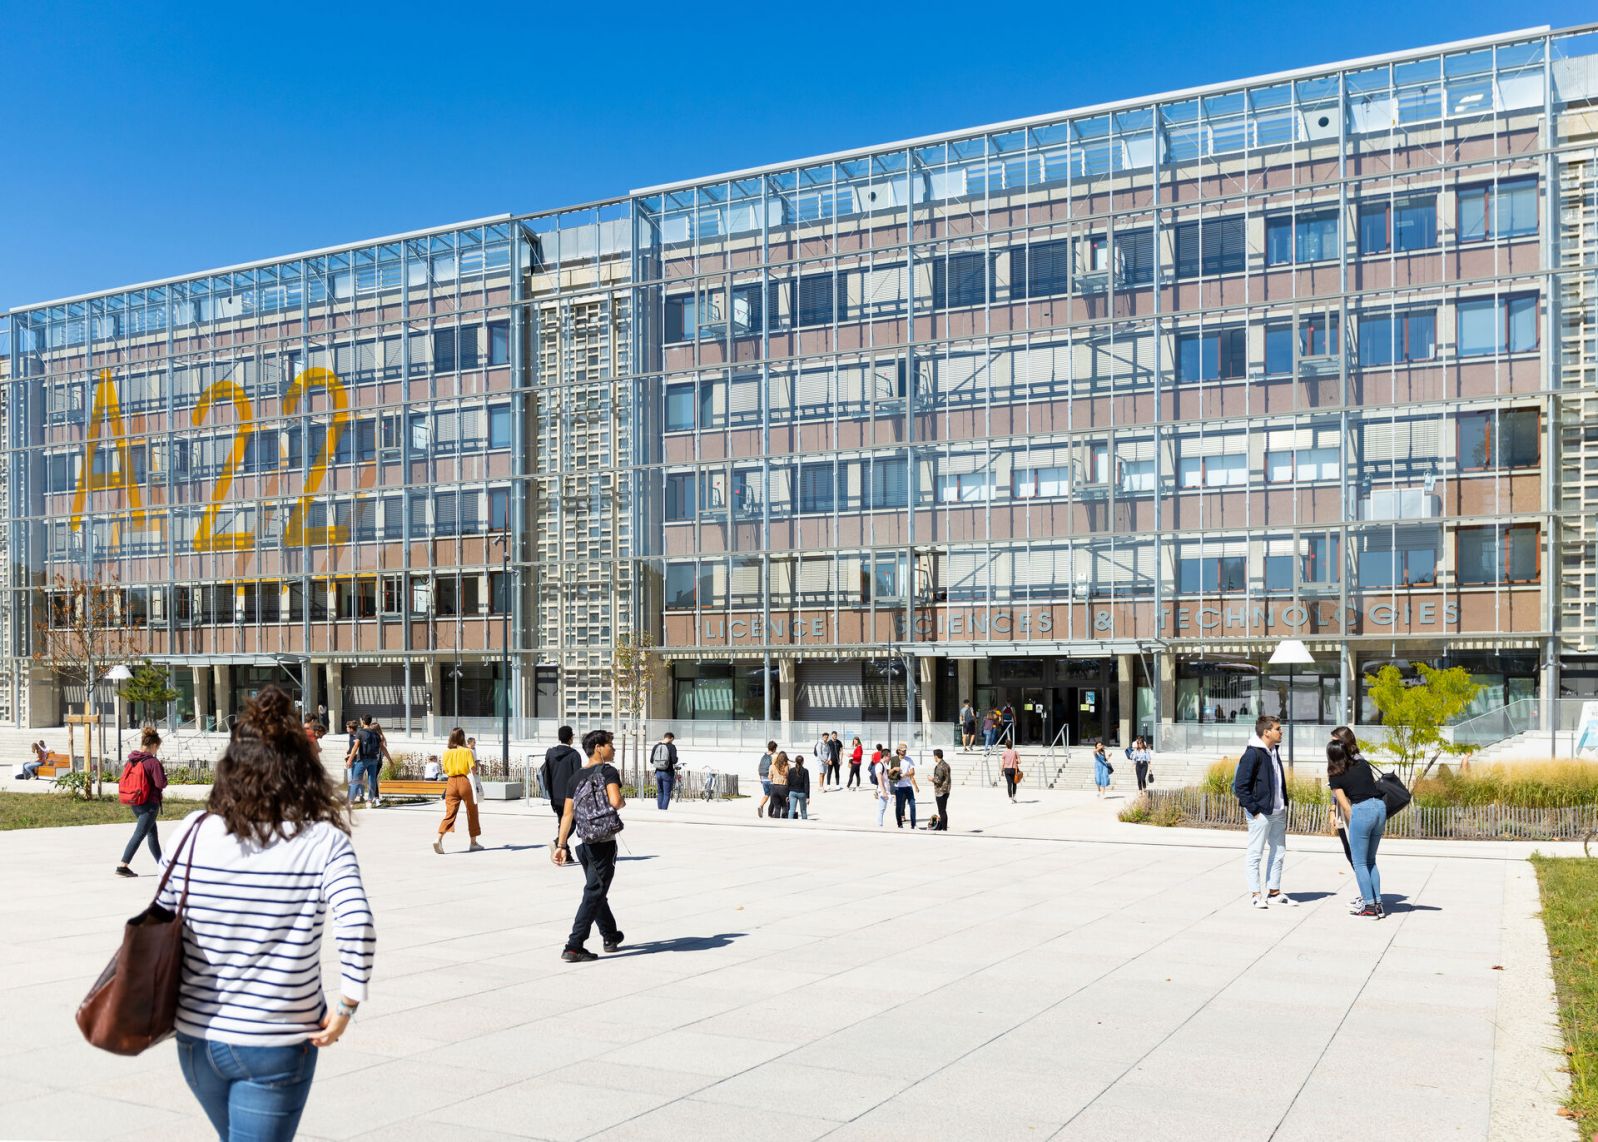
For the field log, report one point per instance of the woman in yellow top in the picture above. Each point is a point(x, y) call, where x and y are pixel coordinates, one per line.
point(458, 765)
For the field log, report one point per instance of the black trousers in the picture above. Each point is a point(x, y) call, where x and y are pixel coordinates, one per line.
point(1142, 775)
point(1009, 782)
point(943, 812)
point(779, 802)
point(901, 798)
point(854, 774)
point(598, 859)
point(833, 770)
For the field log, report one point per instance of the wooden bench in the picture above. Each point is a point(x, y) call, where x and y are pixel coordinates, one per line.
point(54, 764)
point(401, 788)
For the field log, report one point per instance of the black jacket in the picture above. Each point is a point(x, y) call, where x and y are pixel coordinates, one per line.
point(561, 764)
point(798, 780)
point(1255, 783)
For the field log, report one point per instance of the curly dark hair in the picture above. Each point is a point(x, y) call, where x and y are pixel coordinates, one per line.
point(270, 780)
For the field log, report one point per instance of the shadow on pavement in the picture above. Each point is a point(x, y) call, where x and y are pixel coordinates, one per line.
point(679, 944)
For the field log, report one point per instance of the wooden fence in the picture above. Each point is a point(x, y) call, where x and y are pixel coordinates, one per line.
point(1473, 823)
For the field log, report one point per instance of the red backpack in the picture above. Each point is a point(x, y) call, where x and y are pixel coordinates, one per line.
point(134, 788)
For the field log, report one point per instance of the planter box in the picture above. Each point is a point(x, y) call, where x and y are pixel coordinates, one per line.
point(502, 791)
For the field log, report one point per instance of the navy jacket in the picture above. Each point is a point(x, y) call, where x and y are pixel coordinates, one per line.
point(1255, 783)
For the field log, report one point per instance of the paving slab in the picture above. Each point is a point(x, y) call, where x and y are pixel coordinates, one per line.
point(1044, 971)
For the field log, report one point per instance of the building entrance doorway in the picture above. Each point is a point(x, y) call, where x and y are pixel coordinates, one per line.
point(1051, 695)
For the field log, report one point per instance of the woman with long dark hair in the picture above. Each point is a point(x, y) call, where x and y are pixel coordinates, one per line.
point(1353, 786)
point(778, 809)
point(271, 861)
point(1345, 737)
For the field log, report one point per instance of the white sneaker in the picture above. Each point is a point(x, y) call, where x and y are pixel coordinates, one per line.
point(1282, 898)
point(1259, 901)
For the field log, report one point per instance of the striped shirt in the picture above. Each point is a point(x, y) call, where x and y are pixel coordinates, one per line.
point(252, 932)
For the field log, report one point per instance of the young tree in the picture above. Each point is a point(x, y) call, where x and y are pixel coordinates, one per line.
point(149, 687)
point(80, 636)
point(632, 679)
point(1414, 713)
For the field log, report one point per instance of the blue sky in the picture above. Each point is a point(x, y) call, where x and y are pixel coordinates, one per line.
point(147, 140)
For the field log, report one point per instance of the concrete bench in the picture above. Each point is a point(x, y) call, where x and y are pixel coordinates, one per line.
point(492, 790)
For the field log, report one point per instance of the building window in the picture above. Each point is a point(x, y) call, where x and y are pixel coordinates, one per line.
point(889, 487)
point(680, 497)
point(1041, 483)
point(1494, 441)
point(1397, 338)
point(1212, 471)
point(1489, 325)
point(1040, 270)
point(499, 426)
point(965, 488)
point(1302, 465)
point(1494, 556)
point(1319, 561)
point(393, 595)
point(1216, 356)
point(1211, 574)
point(1398, 566)
point(680, 319)
point(1137, 476)
point(818, 299)
point(680, 407)
point(1301, 238)
point(454, 348)
point(1279, 572)
point(1506, 209)
point(818, 487)
point(1216, 246)
point(499, 342)
point(1285, 344)
point(1398, 227)
point(499, 509)
point(680, 586)
point(960, 280)
point(499, 600)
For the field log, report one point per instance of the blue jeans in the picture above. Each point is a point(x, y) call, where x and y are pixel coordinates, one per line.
point(1266, 831)
point(143, 830)
point(250, 1094)
point(366, 773)
point(798, 806)
point(664, 780)
point(1366, 822)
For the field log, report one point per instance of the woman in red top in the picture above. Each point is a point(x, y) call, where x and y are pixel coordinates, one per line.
point(855, 754)
point(145, 812)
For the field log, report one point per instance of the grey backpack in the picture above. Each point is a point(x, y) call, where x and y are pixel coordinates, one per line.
point(594, 817)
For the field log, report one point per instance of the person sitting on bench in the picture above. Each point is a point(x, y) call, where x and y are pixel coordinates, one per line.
point(433, 770)
point(30, 769)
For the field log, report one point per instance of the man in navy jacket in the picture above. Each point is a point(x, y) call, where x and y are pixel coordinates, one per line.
point(1261, 788)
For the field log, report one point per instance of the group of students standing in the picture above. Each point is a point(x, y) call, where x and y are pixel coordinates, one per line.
point(785, 781)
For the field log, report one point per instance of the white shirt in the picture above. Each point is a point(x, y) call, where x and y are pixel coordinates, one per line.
point(252, 932)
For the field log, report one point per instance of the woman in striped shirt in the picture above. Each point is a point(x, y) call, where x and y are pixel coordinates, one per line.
point(271, 859)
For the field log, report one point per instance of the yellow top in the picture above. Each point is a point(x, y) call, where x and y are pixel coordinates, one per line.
point(457, 761)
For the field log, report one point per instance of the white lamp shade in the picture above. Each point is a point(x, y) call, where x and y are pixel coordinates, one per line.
point(119, 674)
point(1291, 652)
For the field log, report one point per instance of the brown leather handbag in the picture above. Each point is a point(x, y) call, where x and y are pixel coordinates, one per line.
point(134, 1003)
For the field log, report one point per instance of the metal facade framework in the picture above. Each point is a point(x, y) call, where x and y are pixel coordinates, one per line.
point(1083, 413)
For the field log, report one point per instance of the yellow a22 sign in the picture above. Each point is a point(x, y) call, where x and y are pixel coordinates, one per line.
point(107, 430)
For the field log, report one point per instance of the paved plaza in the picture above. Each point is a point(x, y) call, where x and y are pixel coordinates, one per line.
point(1046, 972)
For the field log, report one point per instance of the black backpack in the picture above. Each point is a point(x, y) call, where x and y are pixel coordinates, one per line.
point(367, 744)
point(594, 817)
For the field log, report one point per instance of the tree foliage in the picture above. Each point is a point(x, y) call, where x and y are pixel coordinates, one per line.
point(1414, 712)
point(80, 635)
point(632, 679)
point(149, 687)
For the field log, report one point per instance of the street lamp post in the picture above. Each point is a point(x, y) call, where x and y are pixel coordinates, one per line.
point(1291, 653)
point(504, 638)
point(118, 674)
point(457, 675)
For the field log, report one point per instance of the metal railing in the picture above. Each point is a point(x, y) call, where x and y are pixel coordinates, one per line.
point(1550, 728)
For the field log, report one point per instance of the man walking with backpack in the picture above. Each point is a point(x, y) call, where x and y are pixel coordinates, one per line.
point(368, 754)
point(664, 757)
point(561, 764)
point(593, 810)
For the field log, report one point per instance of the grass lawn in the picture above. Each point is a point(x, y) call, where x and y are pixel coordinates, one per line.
point(1570, 913)
point(48, 810)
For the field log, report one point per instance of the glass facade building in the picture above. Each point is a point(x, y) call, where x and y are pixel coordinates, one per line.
point(1084, 414)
